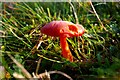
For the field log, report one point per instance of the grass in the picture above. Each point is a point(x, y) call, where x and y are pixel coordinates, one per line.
point(97, 52)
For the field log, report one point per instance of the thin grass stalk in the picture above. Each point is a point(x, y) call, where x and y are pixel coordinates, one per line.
point(38, 65)
point(49, 59)
point(97, 16)
point(75, 14)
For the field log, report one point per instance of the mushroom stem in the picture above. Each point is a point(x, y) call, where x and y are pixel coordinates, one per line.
point(66, 53)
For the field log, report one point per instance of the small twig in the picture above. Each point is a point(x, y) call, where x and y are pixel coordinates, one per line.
point(59, 72)
point(97, 16)
point(54, 72)
point(24, 71)
point(76, 18)
point(43, 76)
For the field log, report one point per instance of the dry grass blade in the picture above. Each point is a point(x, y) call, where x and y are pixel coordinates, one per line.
point(25, 72)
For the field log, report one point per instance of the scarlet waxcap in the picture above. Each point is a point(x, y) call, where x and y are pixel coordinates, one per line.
point(63, 28)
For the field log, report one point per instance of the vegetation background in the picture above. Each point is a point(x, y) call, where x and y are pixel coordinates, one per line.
point(97, 52)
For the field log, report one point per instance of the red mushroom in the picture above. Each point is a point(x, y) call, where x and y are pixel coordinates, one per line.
point(63, 29)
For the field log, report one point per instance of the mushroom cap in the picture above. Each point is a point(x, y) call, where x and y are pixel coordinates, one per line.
point(62, 28)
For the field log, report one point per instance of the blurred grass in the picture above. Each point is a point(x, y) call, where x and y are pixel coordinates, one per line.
point(97, 52)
